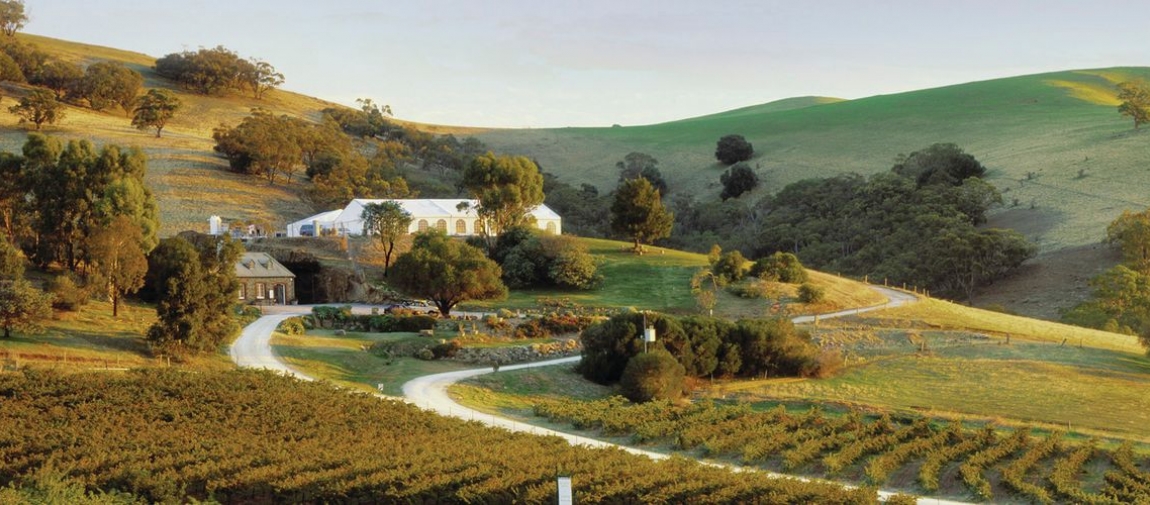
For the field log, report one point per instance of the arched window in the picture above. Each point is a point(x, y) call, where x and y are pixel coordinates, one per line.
point(422, 225)
point(480, 229)
point(460, 227)
point(442, 225)
point(551, 228)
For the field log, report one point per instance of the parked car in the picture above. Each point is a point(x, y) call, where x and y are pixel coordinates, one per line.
point(307, 230)
point(413, 307)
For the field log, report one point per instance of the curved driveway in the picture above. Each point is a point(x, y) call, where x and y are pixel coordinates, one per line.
point(253, 350)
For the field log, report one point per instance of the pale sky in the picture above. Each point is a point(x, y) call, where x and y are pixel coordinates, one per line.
point(544, 63)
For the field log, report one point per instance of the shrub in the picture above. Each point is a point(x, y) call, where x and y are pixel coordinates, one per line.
point(809, 293)
point(828, 364)
point(730, 266)
point(292, 326)
point(756, 288)
point(732, 149)
point(654, 375)
point(780, 267)
point(495, 323)
point(425, 354)
point(445, 350)
point(67, 294)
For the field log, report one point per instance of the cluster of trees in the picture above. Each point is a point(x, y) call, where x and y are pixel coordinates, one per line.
point(444, 155)
point(914, 225)
point(1121, 301)
point(530, 258)
point(219, 70)
point(510, 252)
point(100, 86)
point(704, 346)
point(87, 211)
point(271, 146)
point(82, 209)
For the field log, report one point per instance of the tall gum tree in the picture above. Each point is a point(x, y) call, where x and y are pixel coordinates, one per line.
point(638, 213)
point(507, 187)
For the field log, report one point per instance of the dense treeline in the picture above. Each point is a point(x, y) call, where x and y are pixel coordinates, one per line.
point(54, 197)
point(238, 437)
point(919, 224)
point(986, 461)
point(1121, 298)
point(705, 346)
point(100, 85)
point(219, 70)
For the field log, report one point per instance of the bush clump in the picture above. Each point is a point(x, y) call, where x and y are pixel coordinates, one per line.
point(654, 375)
point(809, 293)
point(292, 326)
point(780, 267)
point(731, 266)
point(67, 294)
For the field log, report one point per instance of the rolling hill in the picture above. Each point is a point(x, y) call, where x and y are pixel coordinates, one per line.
point(1065, 160)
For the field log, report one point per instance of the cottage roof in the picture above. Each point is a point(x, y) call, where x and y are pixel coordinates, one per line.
point(260, 265)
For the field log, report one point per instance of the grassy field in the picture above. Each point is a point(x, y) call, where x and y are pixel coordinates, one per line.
point(344, 360)
point(1049, 125)
point(91, 339)
point(931, 358)
point(660, 280)
point(1054, 144)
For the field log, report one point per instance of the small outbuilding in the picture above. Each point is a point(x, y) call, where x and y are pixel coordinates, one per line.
point(264, 281)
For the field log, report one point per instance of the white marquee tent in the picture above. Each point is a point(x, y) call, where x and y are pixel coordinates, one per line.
point(454, 216)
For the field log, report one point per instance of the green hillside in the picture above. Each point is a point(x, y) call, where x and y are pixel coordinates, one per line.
point(1049, 126)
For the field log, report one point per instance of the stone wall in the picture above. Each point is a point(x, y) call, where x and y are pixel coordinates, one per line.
point(519, 354)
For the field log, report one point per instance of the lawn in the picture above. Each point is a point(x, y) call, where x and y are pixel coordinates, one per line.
point(344, 359)
point(91, 339)
point(660, 280)
point(514, 393)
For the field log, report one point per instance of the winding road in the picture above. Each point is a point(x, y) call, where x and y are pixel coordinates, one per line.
point(253, 350)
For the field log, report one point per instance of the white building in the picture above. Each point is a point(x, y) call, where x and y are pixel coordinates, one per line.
point(456, 217)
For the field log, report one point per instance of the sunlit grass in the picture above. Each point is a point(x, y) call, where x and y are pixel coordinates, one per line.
point(516, 392)
point(1027, 388)
point(346, 361)
point(1034, 134)
point(942, 314)
point(91, 339)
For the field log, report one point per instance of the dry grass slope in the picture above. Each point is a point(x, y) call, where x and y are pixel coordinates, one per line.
point(191, 182)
